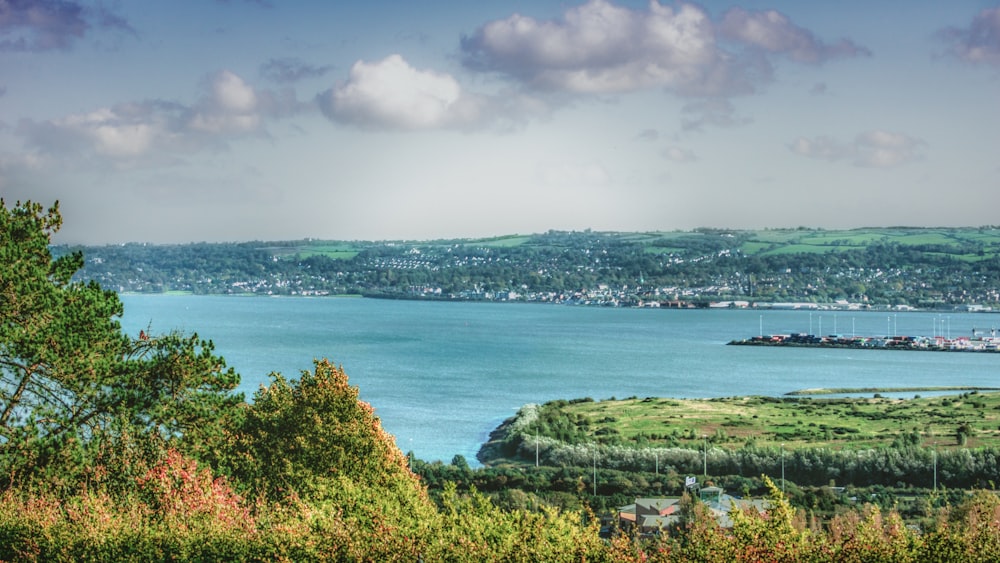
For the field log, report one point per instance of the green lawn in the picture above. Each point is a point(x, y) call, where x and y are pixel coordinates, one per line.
point(796, 422)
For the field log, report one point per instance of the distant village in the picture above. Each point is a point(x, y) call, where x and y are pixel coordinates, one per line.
point(704, 269)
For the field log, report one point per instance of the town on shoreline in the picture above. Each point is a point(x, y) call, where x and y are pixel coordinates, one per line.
point(897, 269)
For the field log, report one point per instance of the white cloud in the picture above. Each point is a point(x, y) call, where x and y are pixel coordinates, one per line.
point(872, 149)
point(600, 47)
point(124, 140)
point(980, 42)
point(228, 108)
point(775, 33)
point(883, 149)
point(392, 94)
point(120, 132)
point(233, 94)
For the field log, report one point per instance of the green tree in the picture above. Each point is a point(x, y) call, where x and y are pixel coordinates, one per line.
point(312, 439)
point(70, 376)
point(298, 432)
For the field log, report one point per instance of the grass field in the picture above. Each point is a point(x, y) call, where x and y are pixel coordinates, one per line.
point(970, 244)
point(503, 242)
point(802, 240)
point(796, 422)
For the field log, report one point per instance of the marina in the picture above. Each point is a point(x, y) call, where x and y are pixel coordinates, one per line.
point(978, 342)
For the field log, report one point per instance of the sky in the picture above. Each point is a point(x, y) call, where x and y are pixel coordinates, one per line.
point(175, 121)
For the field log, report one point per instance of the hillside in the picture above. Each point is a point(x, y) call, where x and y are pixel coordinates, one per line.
point(924, 267)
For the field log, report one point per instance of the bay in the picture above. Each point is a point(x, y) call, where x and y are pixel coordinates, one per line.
point(442, 375)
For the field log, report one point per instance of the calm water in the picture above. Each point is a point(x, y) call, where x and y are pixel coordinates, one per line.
point(442, 375)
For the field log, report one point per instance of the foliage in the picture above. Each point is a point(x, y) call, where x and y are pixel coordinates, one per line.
point(474, 529)
point(298, 432)
point(69, 375)
point(176, 386)
point(312, 439)
point(181, 493)
point(59, 343)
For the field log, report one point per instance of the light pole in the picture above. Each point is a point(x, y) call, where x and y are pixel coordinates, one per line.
point(704, 471)
point(536, 447)
point(595, 471)
point(934, 453)
point(782, 467)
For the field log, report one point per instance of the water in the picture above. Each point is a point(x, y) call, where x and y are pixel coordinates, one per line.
point(442, 375)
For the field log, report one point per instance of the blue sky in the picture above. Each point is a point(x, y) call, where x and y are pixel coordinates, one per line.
point(187, 121)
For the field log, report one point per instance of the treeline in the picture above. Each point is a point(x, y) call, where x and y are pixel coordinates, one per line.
point(604, 490)
point(702, 265)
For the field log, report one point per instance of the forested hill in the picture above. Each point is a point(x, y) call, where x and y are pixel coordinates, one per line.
point(922, 267)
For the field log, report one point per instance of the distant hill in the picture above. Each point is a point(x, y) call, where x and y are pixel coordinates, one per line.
point(925, 267)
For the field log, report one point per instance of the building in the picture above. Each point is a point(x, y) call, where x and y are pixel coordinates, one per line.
point(649, 516)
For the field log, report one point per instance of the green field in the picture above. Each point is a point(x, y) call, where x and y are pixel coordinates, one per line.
point(969, 244)
point(503, 242)
point(333, 252)
point(300, 250)
point(662, 249)
point(953, 241)
point(795, 422)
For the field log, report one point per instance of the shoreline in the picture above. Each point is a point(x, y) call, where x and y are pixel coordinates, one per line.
point(759, 306)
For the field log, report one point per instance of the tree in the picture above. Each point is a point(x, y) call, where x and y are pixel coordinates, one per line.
point(299, 433)
point(311, 439)
point(68, 373)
